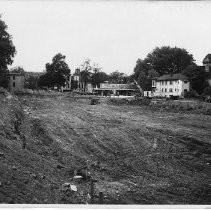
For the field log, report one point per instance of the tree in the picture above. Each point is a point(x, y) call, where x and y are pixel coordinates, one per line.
point(98, 78)
point(207, 91)
point(144, 74)
point(197, 76)
point(167, 60)
point(85, 72)
point(31, 82)
point(45, 80)
point(144, 81)
point(18, 69)
point(118, 77)
point(96, 68)
point(57, 72)
point(74, 84)
point(7, 53)
point(160, 61)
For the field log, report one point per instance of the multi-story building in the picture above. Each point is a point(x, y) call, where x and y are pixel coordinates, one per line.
point(16, 82)
point(170, 85)
point(207, 66)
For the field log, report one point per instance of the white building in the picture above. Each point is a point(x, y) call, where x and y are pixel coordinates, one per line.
point(170, 85)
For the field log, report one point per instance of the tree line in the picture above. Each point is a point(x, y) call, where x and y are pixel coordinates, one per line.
point(163, 60)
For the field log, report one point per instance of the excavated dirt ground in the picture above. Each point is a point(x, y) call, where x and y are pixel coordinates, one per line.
point(137, 155)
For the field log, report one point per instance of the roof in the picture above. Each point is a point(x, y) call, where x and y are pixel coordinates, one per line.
point(207, 59)
point(15, 74)
point(173, 77)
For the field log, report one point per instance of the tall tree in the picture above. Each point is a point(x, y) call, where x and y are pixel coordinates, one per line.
point(118, 77)
point(18, 69)
point(57, 72)
point(31, 82)
point(7, 53)
point(167, 60)
point(98, 78)
point(160, 61)
point(197, 76)
point(86, 72)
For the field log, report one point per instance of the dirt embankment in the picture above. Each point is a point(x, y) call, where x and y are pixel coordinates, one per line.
point(137, 155)
point(31, 165)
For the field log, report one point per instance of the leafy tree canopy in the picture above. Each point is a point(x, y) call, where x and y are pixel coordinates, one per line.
point(160, 61)
point(118, 77)
point(7, 52)
point(197, 76)
point(57, 72)
point(85, 71)
point(98, 78)
point(18, 69)
point(166, 60)
point(91, 72)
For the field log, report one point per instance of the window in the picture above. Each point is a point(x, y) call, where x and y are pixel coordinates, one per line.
point(185, 82)
point(165, 89)
point(207, 68)
point(13, 77)
point(171, 82)
point(162, 90)
point(166, 83)
point(185, 90)
point(170, 90)
point(13, 84)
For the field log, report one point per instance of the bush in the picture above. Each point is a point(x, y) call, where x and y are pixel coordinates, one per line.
point(207, 91)
point(191, 94)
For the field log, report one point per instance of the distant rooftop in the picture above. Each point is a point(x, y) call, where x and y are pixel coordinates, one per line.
point(172, 77)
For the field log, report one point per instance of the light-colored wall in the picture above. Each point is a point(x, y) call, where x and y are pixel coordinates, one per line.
point(112, 86)
point(19, 83)
point(208, 69)
point(148, 93)
point(177, 87)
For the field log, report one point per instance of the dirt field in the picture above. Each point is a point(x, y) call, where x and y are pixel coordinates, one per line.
point(137, 155)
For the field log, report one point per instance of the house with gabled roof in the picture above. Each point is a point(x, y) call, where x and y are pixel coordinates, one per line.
point(170, 85)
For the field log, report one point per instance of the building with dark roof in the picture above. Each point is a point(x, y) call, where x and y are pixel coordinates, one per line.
point(170, 85)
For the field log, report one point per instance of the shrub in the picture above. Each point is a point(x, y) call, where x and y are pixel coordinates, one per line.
point(207, 91)
point(191, 94)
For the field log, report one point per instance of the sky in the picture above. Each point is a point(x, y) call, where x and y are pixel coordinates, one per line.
point(113, 34)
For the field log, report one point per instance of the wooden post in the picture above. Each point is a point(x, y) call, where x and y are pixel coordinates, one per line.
point(100, 197)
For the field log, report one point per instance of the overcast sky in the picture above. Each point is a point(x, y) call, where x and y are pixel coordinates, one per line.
point(112, 33)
